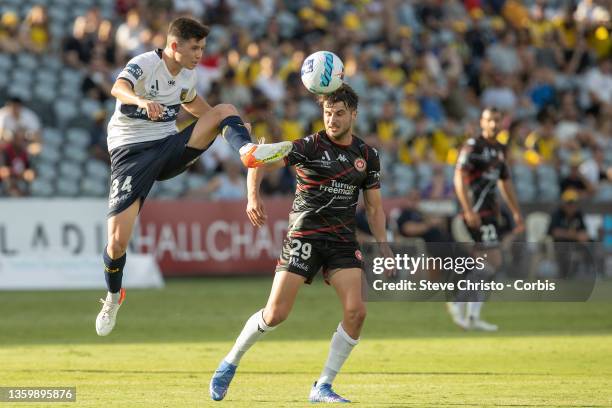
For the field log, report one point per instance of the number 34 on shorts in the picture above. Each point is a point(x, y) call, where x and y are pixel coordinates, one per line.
point(118, 186)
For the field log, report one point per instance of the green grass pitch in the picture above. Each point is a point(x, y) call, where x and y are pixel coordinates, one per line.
point(168, 342)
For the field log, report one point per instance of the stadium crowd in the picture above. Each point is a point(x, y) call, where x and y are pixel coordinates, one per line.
point(423, 70)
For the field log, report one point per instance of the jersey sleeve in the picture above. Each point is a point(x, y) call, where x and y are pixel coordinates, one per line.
point(465, 161)
point(135, 70)
point(303, 150)
point(372, 180)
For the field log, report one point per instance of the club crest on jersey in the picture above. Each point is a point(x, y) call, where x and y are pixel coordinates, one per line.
point(358, 255)
point(360, 164)
point(184, 92)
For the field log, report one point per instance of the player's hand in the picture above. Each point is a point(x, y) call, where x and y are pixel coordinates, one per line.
point(472, 219)
point(256, 212)
point(519, 224)
point(154, 109)
point(386, 252)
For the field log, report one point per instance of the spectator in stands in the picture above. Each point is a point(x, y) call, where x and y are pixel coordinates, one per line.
point(128, 35)
point(229, 184)
point(34, 32)
point(14, 116)
point(9, 31)
point(598, 82)
point(439, 188)
point(567, 225)
point(15, 169)
point(412, 223)
point(575, 181)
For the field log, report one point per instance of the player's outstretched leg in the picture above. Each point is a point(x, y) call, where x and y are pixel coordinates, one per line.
point(282, 296)
point(119, 232)
point(224, 119)
point(347, 283)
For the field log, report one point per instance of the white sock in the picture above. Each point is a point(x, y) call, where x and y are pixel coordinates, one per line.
point(245, 148)
point(341, 346)
point(113, 297)
point(253, 329)
point(473, 310)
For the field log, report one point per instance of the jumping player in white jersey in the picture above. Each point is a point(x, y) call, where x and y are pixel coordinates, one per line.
point(145, 145)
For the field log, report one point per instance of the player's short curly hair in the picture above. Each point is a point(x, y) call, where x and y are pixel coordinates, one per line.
point(185, 28)
point(344, 94)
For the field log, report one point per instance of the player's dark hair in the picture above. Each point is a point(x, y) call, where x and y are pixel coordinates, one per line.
point(185, 28)
point(344, 94)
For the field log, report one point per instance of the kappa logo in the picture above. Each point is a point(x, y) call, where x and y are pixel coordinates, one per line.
point(360, 164)
point(342, 158)
point(171, 82)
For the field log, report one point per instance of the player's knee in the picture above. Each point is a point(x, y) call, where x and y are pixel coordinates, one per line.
point(116, 247)
point(223, 110)
point(275, 316)
point(356, 314)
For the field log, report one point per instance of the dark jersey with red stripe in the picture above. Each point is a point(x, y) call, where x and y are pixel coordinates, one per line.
point(329, 178)
point(485, 164)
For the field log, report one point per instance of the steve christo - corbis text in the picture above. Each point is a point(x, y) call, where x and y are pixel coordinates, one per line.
point(458, 265)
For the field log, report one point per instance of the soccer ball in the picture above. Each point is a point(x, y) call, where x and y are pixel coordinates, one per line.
point(322, 72)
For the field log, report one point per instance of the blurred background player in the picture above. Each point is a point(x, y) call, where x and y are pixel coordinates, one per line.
point(481, 168)
point(332, 167)
point(144, 144)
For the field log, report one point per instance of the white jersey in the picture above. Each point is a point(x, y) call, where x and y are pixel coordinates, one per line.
point(150, 79)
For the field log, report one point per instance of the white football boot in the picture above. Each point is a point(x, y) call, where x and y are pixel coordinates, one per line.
point(105, 322)
point(255, 155)
point(479, 324)
point(455, 310)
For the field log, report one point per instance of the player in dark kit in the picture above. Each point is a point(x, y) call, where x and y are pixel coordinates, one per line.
point(332, 167)
point(481, 168)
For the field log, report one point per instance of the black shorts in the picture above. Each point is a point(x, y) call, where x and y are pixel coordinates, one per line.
point(488, 232)
point(306, 257)
point(135, 167)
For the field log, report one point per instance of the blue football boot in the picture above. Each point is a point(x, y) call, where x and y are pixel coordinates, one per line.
point(221, 380)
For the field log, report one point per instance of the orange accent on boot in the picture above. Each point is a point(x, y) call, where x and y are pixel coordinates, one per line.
point(249, 160)
point(122, 295)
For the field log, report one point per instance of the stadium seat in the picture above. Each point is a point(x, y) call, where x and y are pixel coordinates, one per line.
point(604, 193)
point(51, 137)
point(27, 61)
point(46, 94)
point(78, 137)
point(76, 154)
point(523, 174)
point(45, 170)
point(69, 170)
point(46, 77)
point(67, 187)
point(23, 76)
point(64, 112)
point(424, 173)
point(403, 177)
point(89, 107)
point(97, 170)
point(6, 62)
point(50, 154)
point(93, 187)
point(41, 188)
point(21, 90)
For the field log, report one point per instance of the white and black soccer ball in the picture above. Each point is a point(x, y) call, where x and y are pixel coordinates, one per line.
point(322, 72)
